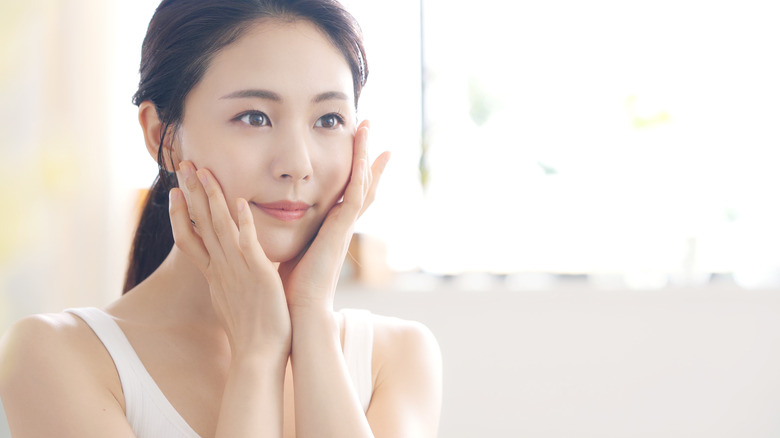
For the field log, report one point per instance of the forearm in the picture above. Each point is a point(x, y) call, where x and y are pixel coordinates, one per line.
point(252, 403)
point(326, 405)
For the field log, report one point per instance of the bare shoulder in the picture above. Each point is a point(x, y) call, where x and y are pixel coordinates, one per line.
point(40, 341)
point(49, 347)
point(50, 363)
point(403, 339)
point(407, 379)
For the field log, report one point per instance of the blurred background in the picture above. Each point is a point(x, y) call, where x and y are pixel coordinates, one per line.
point(582, 201)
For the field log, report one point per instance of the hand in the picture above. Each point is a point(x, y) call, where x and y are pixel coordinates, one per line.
point(246, 291)
point(310, 279)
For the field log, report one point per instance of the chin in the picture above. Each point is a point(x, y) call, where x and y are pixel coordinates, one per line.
point(282, 245)
point(281, 257)
point(280, 252)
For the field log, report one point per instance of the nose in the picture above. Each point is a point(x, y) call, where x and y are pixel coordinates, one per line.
point(292, 161)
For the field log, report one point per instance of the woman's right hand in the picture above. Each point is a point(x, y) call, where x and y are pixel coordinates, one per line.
point(246, 290)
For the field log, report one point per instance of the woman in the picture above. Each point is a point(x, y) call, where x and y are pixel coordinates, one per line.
point(250, 108)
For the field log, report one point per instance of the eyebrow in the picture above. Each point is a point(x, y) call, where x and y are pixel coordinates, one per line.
point(262, 94)
point(329, 95)
point(270, 95)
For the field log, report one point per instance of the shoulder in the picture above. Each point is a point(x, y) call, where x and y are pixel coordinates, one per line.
point(40, 340)
point(396, 338)
point(408, 378)
point(50, 361)
point(404, 349)
point(49, 344)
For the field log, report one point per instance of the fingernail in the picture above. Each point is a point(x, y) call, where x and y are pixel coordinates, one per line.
point(240, 205)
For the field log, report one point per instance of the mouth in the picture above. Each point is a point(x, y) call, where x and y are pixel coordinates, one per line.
point(285, 211)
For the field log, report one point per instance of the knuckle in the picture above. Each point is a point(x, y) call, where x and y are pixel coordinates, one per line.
point(191, 184)
point(245, 243)
point(219, 228)
point(245, 221)
point(212, 192)
point(194, 218)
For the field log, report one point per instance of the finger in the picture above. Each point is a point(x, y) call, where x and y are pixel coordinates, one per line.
point(355, 192)
point(367, 173)
point(247, 236)
point(221, 221)
point(361, 140)
point(198, 205)
point(341, 219)
point(361, 144)
point(377, 169)
point(183, 233)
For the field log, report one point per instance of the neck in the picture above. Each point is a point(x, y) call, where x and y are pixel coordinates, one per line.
point(176, 290)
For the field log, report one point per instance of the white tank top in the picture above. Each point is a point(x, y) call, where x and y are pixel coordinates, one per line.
point(149, 412)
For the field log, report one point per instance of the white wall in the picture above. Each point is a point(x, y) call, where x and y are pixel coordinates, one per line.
point(575, 362)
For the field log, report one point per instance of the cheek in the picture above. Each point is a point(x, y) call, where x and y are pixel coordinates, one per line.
point(196, 144)
point(207, 148)
point(207, 142)
point(335, 171)
point(204, 155)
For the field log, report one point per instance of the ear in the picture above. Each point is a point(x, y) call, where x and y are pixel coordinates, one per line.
point(153, 128)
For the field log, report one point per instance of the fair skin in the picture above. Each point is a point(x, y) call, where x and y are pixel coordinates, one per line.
point(243, 305)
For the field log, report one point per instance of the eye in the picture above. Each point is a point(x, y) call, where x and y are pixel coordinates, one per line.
point(329, 121)
point(254, 118)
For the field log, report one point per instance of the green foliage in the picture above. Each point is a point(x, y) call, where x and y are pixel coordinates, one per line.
point(482, 104)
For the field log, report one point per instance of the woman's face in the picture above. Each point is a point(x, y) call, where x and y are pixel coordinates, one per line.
point(273, 119)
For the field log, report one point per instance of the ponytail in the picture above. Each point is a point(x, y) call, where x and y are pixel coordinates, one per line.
point(153, 238)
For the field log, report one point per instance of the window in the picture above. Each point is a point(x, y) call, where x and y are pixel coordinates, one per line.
point(628, 139)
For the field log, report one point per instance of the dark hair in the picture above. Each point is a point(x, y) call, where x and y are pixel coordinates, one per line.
point(182, 39)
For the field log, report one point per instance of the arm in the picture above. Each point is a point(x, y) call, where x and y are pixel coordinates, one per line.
point(53, 381)
point(252, 400)
point(407, 394)
point(247, 297)
point(406, 401)
point(253, 307)
point(325, 401)
point(326, 404)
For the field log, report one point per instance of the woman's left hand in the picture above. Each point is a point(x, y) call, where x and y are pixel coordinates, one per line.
point(310, 279)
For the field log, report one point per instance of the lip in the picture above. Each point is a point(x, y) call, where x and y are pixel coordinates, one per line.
point(285, 211)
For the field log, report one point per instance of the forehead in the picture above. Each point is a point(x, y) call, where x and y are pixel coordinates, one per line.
point(293, 59)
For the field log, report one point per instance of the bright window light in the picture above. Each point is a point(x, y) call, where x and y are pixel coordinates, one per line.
point(636, 139)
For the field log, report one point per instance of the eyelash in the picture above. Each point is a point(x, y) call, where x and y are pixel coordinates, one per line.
point(267, 122)
point(240, 118)
point(339, 120)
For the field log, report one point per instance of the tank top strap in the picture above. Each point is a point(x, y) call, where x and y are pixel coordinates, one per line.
point(143, 398)
point(358, 351)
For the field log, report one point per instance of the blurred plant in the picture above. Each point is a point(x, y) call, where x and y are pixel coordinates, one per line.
point(731, 214)
point(547, 169)
point(645, 117)
point(482, 104)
